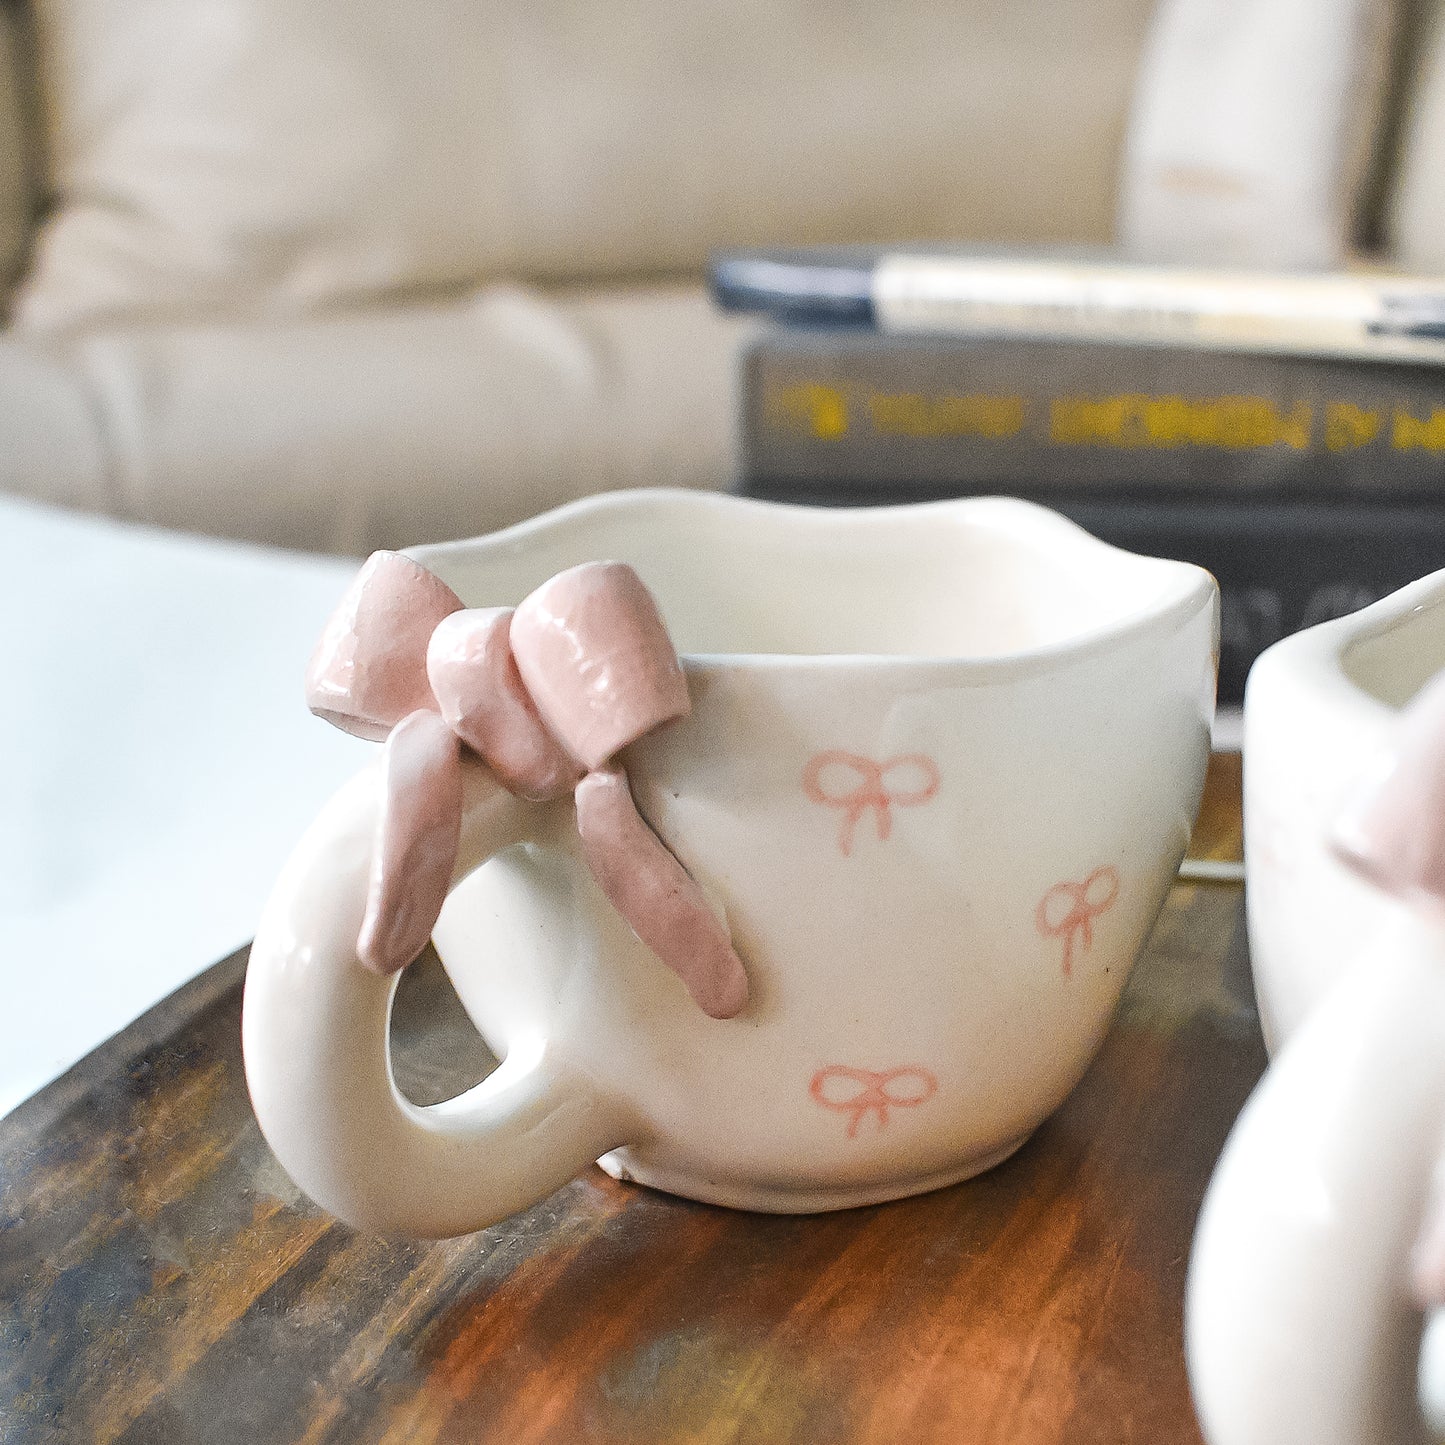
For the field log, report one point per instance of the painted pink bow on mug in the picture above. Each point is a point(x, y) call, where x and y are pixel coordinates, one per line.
point(546, 694)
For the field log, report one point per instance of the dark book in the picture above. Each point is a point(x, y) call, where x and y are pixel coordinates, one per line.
point(834, 408)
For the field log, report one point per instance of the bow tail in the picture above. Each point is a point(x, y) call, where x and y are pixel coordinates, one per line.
point(657, 896)
point(417, 835)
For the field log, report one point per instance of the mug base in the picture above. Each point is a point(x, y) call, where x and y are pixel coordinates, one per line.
point(770, 1199)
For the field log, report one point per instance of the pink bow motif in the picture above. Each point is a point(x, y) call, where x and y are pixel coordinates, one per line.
point(870, 789)
point(871, 1091)
point(546, 694)
point(1082, 903)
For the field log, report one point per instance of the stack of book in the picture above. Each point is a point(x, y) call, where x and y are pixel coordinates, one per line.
point(1286, 432)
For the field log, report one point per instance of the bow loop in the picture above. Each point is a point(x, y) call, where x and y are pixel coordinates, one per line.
point(595, 655)
point(369, 668)
point(479, 689)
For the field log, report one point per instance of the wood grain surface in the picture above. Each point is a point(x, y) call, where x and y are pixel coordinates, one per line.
point(162, 1281)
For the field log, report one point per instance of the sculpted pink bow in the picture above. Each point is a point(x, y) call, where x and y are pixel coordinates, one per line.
point(546, 694)
point(1393, 833)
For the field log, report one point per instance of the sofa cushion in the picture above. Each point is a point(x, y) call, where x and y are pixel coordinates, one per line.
point(1253, 128)
point(51, 445)
point(1415, 210)
point(17, 211)
point(280, 155)
point(379, 429)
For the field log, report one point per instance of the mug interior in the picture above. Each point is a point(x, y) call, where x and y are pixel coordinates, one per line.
point(1394, 659)
point(976, 578)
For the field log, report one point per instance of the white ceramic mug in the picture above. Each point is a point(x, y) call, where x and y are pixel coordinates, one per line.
point(940, 769)
point(1318, 706)
point(1301, 1328)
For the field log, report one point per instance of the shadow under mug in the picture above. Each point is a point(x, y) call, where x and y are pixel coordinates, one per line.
point(940, 769)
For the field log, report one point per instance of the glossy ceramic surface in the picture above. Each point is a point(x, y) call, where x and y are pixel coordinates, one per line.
point(1306, 1318)
point(1300, 1324)
point(939, 772)
point(1318, 713)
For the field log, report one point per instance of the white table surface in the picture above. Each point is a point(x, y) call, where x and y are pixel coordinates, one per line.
point(157, 763)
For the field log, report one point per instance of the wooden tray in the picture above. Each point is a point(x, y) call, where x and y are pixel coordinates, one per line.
point(162, 1281)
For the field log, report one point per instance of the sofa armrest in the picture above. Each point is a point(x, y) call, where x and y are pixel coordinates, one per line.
point(378, 429)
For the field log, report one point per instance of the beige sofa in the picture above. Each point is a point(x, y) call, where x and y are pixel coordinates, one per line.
point(342, 276)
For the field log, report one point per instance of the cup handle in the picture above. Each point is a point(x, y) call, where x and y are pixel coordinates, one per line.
point(315, 1037)
point(1299, 1324)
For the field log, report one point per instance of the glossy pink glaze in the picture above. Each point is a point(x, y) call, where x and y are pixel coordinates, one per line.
point(416, 841)
point(476, 684)
point(369, 669)
point(595, 656)
point(656, 895)
point(581, 669)
point(1394, 834)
